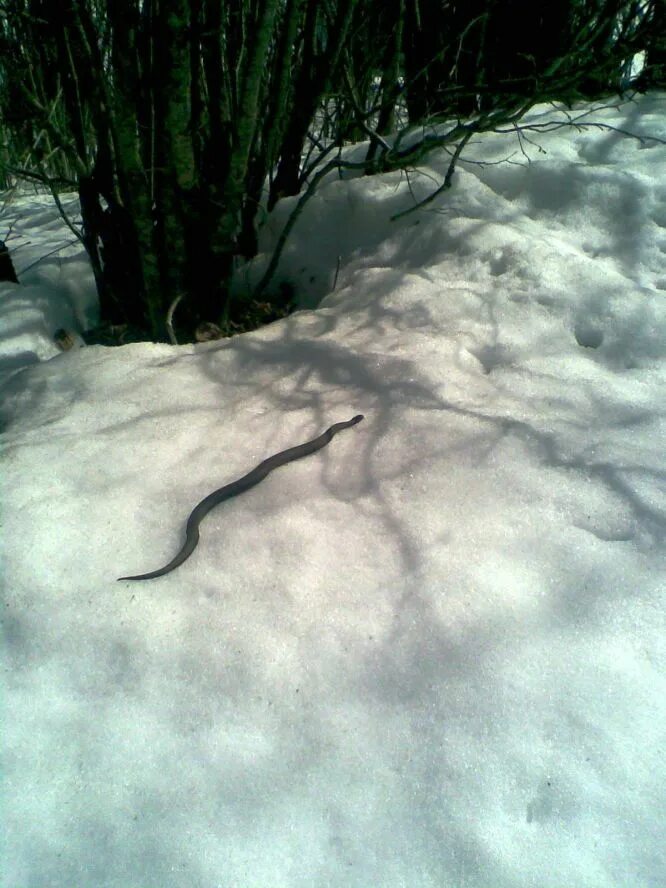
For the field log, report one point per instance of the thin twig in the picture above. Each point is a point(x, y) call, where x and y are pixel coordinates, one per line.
point(337, 272)
point(446, 184)
point(46, 255)
point(291, 221)
point(65, 218)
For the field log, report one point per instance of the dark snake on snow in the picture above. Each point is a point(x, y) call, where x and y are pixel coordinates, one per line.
point(224, 493)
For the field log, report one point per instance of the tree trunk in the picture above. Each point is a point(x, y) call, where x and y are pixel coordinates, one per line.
point(7, 272)
point(316, 72)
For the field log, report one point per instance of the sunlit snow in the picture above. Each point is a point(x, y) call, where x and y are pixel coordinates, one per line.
point(430, 654)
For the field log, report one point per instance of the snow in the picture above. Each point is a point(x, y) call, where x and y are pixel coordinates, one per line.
point(432, 653)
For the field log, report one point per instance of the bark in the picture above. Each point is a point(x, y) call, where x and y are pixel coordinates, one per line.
point(317, 70)
point(389, 87)
point(229, 222)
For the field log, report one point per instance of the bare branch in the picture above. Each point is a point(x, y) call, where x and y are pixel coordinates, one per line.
point(446, 184)
point(46, 255)
point(169, 319)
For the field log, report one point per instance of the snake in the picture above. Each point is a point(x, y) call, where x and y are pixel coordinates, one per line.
point(240, 486)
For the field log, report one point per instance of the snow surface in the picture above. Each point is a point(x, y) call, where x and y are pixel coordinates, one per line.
point(431, 654)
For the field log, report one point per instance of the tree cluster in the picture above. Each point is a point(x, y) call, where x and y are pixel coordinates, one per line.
point(182, 122)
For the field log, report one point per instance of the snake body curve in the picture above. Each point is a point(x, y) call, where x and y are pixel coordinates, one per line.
point(224, 493)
